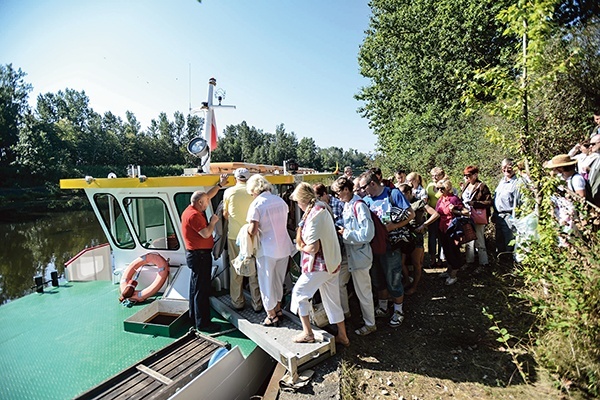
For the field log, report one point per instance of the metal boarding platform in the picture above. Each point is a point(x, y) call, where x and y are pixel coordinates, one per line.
point(277, 341)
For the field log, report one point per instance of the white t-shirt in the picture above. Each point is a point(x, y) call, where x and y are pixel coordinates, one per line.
point(576, 182)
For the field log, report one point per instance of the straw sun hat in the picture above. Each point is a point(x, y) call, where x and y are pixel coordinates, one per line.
point(561, 160)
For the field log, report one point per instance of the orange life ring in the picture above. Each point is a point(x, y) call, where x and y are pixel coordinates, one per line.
point(137, 264)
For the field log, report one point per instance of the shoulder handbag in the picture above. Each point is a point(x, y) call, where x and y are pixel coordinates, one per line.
point(479, 215)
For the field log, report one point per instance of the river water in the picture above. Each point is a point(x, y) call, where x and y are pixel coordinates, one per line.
point(37, 247)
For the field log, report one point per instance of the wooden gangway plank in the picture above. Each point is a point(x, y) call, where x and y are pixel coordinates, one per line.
point(278, 341)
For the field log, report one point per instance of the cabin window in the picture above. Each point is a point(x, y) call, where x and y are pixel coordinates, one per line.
point(114, 220)
point(152, 222)
point(182, 200)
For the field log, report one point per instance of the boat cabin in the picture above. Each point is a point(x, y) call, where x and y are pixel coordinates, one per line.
point(141, 214)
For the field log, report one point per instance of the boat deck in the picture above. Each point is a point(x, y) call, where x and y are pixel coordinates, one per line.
point(58, 344)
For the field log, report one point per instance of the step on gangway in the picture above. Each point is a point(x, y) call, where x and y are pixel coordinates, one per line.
point(278, 341)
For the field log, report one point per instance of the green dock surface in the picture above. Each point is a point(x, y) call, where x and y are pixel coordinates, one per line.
point(59, 344)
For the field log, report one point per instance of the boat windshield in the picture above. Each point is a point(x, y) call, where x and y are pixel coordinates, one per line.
point(114, 220)
point(152, 222)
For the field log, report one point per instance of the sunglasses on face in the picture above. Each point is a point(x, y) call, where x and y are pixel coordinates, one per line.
point(440, 189)
point(467, 175)
point(363, 187)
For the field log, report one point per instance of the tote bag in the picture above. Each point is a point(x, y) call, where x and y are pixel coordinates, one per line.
point(244, 265)
point(468, 229)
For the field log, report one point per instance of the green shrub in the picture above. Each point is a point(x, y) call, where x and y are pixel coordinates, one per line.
point(563, 290)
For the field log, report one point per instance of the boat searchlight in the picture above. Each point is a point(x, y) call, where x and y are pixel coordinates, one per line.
point(198, 147)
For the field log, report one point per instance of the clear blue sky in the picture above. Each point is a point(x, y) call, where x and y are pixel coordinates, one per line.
point(280, 61)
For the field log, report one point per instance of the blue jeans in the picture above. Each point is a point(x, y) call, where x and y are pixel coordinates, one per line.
point(387, 270)
point(504, 234)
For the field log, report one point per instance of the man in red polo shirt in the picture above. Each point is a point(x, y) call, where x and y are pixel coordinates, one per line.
point(198, 239)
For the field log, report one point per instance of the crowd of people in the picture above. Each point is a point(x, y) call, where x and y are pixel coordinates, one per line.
point(337, 228)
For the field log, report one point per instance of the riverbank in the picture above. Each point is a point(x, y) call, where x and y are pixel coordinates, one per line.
point(26, 204)
point(445, 348)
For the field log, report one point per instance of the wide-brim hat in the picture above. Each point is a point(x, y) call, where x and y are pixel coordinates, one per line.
point(561, 160)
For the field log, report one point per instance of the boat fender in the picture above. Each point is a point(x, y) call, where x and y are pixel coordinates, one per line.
point(217, 355)
point(128, 282)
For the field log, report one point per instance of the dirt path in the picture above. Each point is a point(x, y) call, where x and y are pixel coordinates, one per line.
point(443, 350)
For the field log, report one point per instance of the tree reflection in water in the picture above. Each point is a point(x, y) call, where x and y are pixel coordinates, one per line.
point(34, 247)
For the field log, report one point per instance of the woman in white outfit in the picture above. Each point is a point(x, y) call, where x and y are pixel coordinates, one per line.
point(267, 216)
point(357, 232)
point(317, 241)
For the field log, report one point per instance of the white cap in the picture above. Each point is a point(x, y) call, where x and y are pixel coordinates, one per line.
point(242, 174)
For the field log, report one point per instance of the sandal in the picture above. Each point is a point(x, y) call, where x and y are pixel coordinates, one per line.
point(302, 338)
point(273, 321)
point(365, 330)
point(279, 314)
point(345, 343)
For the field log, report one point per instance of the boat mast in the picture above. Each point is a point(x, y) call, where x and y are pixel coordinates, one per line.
point(208, 108)
point(208, 120)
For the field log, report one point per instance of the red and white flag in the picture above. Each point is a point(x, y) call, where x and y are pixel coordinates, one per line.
point(213, 131)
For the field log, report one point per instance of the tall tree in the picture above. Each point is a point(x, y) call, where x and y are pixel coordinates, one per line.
point(14, 92)
point(283, 146)
point(332, 157)
point(229, 145)
point(71, 116)
point(358, 161)
point(114, 128)
point(40, 151)
point(166, 143)
point(419, 55)
point(545, 98)
point(250, 139)
point(308, 155)
point(131, 140)
point(69, 104)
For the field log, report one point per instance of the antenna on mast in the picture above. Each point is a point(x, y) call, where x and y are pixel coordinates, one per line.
point(190, 83)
